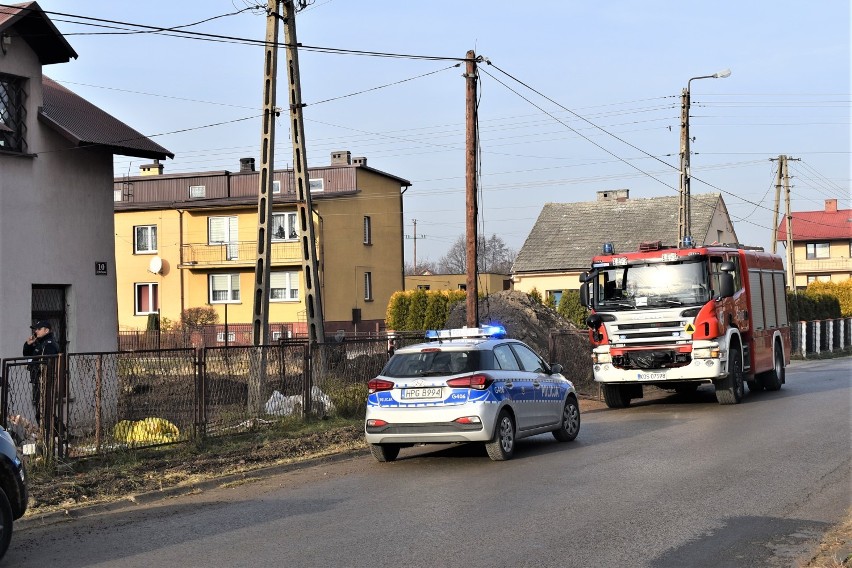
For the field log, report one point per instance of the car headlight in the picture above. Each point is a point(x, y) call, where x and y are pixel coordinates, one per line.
point(705, 353)
point(601, 357)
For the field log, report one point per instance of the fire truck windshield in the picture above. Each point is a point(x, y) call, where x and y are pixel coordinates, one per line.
point(654, 285)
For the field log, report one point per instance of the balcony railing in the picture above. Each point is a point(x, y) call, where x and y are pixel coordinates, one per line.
point(824, 265)
point(238, 253)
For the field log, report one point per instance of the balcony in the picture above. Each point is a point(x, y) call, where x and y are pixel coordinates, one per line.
point(240, 253)
point(823, 265)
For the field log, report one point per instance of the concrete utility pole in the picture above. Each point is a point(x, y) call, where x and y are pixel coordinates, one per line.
point(791, 256)
point(472, 305)
point(414, 236)
point(684, 228)
point(305, 218)
point(260, 315)
point(777, 205)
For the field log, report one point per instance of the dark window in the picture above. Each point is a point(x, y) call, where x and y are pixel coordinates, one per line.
point(817, 250)
point(13, 114)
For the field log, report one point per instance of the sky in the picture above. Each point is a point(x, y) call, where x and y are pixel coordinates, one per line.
point(574, 98)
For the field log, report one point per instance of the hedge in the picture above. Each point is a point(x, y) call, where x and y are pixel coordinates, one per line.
point(417, 310)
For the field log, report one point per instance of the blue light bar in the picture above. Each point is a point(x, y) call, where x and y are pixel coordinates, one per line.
point(608, 248)
point(482, 332)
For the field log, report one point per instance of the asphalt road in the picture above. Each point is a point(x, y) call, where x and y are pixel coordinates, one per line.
point(672, 482)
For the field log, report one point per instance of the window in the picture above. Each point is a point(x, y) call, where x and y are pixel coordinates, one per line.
point(284, 227)
point(283, 286)
point(423, 286)
point(197, 191)
point(276, 186)
point(116, 195)
point(223, 231)
point(505, 358)
point(556, 295)
point(147, 301)
point(817, 250)
point(145, 239)
point(530, 362)
point(368, 231)
point(13, 114)
point(368, 286)
point(316, 184)
point(819, 278)
point(220, 336)
point(463, 287)
point(224, 288)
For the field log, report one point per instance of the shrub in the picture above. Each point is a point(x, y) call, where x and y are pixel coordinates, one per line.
point(397, 311)
point(571, 309)
point(535, 295)
point(842, 291)
point(417, 310)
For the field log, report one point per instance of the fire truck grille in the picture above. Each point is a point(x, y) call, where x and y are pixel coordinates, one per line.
point(658, 359)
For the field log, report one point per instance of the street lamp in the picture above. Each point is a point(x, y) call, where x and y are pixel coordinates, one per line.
point(684, 214)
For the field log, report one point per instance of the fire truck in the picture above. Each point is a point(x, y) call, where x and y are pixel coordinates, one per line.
point(677, 318)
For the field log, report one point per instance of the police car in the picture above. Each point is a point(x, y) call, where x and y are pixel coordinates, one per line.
point(468, 385)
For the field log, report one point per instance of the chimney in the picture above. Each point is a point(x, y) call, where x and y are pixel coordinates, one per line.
point(341, 158)
point(359, 161)
point(155, 169)
point(619, 195)
point(831, 205)
point(246, 165)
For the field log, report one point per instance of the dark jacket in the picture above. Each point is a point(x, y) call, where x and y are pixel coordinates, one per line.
point(41, 346)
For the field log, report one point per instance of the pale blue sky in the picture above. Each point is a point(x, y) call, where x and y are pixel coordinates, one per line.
point(619, 64)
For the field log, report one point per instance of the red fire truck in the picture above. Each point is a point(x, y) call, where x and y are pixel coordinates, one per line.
point(677, 318)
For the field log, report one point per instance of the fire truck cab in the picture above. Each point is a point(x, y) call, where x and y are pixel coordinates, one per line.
point(677, 318)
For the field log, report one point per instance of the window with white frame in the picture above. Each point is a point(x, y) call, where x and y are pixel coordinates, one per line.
point(116, 194)
point(368, 286)
point(284, 227)
point(224, 231)
point(817, 250)
point(13, 113)
point(424, 287)
point(368, 231)
point(316, 184)
point(224, 288)
point(556, 295)
point(819, 278)
point(197, 191)
point(145, 239)
point(276, 186)
point(220, 336)
point(147, 298)
point(283, 286)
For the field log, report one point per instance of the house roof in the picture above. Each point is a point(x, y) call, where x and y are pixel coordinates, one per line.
point(816, 225)
point(84, 124)
point(567, 235)
point(32, 24)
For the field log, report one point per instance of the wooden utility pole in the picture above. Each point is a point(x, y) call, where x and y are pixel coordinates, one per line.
point(777, 207)
point(260, 315)
point(471, 141)
point(304, 216)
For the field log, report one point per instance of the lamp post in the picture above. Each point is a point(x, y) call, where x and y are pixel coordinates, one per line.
point(684, 215)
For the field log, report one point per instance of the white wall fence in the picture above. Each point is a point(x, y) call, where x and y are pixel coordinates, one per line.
point(821, 336)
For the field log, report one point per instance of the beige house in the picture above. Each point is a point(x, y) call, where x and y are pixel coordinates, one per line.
point(190, 240)
point(567, 235)
point(56, 176)
point(822, 244)
point(487, 283)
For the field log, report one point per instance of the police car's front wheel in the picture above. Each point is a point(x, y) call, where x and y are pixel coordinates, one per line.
point(384, 452)
point(502, 444)
point(570, 425)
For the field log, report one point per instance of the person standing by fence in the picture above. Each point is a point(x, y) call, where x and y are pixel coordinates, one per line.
point(42, 342)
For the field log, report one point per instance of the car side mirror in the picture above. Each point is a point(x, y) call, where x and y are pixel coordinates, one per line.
point(555, 369)
point(726, 285)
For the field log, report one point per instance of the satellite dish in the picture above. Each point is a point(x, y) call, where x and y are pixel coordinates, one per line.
point(156, 265)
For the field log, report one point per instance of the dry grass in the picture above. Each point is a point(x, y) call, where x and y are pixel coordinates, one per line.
point(835, 550)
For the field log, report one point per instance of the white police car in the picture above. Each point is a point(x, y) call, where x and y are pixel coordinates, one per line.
point(468, 385)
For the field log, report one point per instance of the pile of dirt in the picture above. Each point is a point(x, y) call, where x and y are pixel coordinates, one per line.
point(523, 318)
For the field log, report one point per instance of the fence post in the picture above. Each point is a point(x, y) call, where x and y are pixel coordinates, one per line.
point(199, 363)
point(803, 339)
point(830, 337)
point(98, 402)
point(817, 333)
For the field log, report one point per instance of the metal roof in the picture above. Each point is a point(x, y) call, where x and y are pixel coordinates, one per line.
point(84, 124)
point(815, 225)
point(567, 235)
point(29, 22)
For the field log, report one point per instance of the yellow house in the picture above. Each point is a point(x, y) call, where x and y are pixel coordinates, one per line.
point(487, 283)
point(822, 245)
point(190, 240)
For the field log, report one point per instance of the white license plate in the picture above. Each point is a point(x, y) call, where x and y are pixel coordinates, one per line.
point(651, 376)
point(426, 392)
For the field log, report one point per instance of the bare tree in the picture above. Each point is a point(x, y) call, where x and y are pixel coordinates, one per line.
point(422, 266)
point(493, 256)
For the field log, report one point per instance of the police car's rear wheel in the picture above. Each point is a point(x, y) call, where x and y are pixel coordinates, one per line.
point(5, 523)
point(502, 445)
point(384, 452)
point(570, 425)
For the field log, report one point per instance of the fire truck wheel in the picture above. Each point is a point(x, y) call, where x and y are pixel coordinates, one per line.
point(731, 389)
point(772, 380)
point(616, 396)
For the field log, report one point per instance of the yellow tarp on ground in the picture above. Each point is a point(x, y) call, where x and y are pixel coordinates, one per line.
point(146, 431)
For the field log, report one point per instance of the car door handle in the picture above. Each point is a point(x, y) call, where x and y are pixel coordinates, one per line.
point(536, 384)
point(509, 384)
